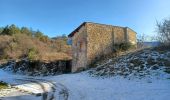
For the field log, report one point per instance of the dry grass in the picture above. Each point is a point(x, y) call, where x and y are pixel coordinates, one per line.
point(55, 56)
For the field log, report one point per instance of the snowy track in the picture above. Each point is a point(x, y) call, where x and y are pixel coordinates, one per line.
point(81, 86)
point(35, 88)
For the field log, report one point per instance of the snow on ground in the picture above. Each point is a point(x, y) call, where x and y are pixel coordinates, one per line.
point(139, 64)
point(81, 86)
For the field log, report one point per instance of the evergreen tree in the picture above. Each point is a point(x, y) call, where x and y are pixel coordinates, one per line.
point(5, 31)
point(1, 29)
point(25, 30)
point(14, 30)
point(10, 30)
point(38, 34)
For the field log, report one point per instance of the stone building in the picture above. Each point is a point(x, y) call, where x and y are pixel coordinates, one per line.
point(91, 40)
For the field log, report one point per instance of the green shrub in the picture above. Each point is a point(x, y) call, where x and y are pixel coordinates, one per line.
point(33, 54)
point(123, 46)
point(3, 85)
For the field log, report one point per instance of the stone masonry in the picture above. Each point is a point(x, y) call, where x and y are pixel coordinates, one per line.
point(91, 40)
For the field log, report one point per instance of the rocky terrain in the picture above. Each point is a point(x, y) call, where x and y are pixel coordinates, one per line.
point(137, 64)
point(35, 68)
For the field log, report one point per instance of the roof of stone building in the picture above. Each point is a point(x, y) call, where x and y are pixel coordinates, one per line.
point(77, 29)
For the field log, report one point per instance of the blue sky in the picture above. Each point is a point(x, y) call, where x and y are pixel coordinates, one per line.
point(57, 17)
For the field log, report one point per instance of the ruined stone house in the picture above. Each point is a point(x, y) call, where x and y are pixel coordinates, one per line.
point(91, 40)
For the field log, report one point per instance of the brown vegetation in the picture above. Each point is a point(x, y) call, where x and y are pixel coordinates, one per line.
point(34, 46)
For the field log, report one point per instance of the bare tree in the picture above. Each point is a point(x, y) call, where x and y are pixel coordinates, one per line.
point(141, 39)
point(163, 30)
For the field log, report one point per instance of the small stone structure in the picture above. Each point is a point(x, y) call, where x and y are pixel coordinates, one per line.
point(91, 40)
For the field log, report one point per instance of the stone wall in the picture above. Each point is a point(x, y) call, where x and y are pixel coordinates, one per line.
point(99, 41)
point(132, 36)
point(119, 34)
point(90, 41)
point(79, 50)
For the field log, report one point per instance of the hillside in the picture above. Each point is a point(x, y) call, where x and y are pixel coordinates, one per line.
point(20, 43)
point(25, 51)
point(139, 64)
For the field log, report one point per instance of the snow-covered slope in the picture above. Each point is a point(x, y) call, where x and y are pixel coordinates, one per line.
point(140, 64)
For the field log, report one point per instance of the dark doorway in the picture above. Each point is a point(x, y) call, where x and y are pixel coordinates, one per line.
point(68, 66)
